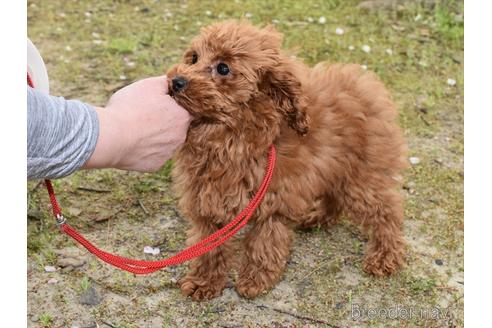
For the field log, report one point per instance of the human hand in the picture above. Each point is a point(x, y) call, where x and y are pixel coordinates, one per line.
point(140, 128)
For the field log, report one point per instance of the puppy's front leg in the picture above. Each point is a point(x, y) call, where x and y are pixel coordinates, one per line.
point(208, 273)
point(267, 246)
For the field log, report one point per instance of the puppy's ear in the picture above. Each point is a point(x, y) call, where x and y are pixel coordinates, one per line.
point(285, 90)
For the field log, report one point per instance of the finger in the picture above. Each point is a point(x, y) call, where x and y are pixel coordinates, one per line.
point(172, 106)
point(160, 82)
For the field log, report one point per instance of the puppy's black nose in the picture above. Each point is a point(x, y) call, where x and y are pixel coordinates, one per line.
point(179, 83)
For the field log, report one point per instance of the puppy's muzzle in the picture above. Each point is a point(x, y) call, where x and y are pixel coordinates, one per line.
point(179, 83)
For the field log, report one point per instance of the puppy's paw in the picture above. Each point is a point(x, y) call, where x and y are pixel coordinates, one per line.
point(249, 288)
point(200, 289)
point(382, 264)
point(253, 283)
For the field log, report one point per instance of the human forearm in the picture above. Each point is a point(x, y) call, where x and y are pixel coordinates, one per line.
point(62, 135)
point(138, 130)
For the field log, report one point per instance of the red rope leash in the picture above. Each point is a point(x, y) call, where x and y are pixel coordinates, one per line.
point(206, 245)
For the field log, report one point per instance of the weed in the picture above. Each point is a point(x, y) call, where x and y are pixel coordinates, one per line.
point(85, 284)
point(46, 319)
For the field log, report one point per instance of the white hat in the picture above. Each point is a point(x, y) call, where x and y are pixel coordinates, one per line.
point(36, 68)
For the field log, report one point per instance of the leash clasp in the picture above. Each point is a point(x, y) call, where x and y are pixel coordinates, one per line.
point(60, 220)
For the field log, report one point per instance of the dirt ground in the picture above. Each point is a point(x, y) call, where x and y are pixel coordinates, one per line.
point(93, 48)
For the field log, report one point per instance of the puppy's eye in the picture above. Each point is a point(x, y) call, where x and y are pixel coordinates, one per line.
point(222, 69)
point(194, 58)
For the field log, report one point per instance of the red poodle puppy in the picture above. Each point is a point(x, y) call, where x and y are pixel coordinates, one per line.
point(339, 149)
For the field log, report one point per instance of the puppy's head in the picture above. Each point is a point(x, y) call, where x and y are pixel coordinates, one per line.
point(234, 74)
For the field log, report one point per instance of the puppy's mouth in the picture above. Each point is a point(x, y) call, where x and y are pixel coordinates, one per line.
point(198, 118)
point(182, 100)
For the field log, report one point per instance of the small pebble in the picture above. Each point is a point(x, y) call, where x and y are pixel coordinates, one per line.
point(414, 160)
point(52, 281)
point(87, 14)
point(71, 261)
point(248, 15)
point(439, 262)
point(122, 77)
point(451, 82)
point(96, 35)
point(208, 13)
point(49, 268)
point(339, 31)
point(366, 48)
point(364, 67)
point(96, 41)
point(68, 48)
point(322, 20)
point(389, 52)
point(151, 250)
point(310, 19)
point(351, 48)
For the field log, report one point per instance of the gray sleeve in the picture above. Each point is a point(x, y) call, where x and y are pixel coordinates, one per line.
point(61, 135)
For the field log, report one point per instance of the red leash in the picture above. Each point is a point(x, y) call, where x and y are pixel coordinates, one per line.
point(206, 245)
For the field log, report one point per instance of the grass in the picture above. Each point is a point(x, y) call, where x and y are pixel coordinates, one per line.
point(46, 319)
point(85, 284)
point(92, 48)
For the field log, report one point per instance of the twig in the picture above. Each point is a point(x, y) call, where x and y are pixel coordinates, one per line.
point(92, 326)
point(93, 189)
point(437, 161)
point(424, 120)
point(108, 324)
point(452, 289)
point(217, 310)
point(313, 271)
point(106, 218)
point(298, 316)
point(143, 207)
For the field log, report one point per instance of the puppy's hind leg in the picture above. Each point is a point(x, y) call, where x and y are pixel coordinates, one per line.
point(381, 215)
point(267, 246)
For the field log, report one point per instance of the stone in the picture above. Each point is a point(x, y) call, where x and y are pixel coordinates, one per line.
point(90, 297)
point(71, 261)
